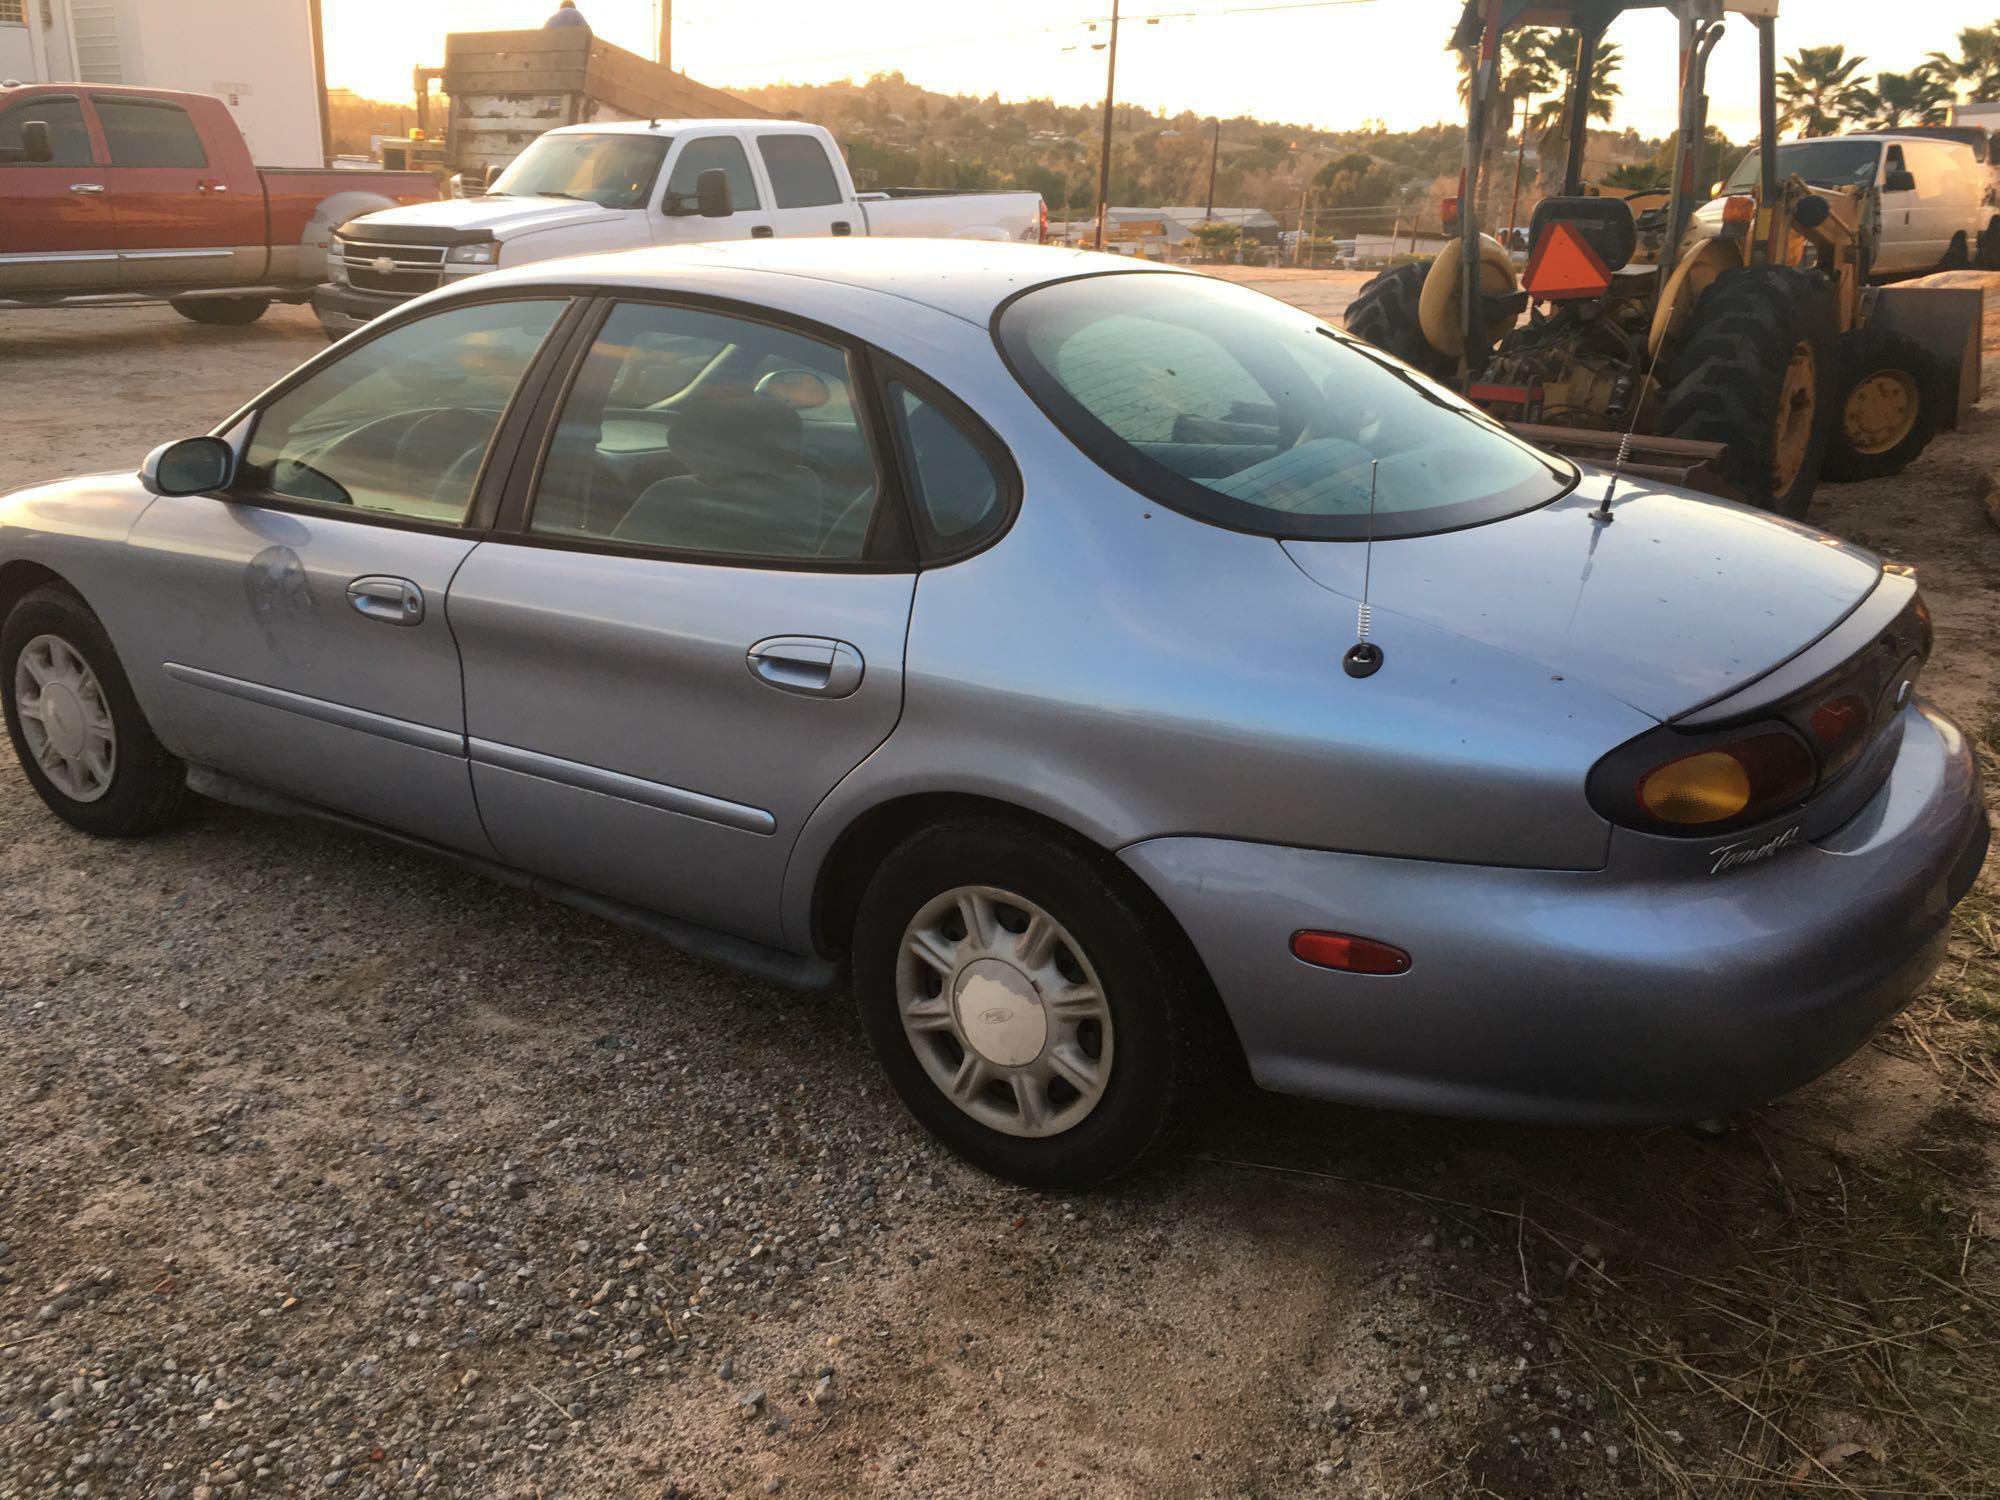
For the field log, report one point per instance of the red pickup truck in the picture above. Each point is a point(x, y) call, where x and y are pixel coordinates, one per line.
point(112, 194)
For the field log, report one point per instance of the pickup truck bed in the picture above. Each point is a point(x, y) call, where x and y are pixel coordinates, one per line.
point(147, 194)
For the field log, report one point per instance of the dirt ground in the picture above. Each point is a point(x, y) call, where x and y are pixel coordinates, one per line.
point(326, 1168)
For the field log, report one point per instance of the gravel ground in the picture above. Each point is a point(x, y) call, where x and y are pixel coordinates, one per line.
point(324, 1168)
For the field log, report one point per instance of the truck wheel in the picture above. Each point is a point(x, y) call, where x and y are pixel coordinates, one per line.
point(1756, 374)
point(1988, 253)
point(1032, 1006)
point(81, 737)
point(223, 312)
point(1385, 313)
point(1957, 255)
point(1887, 405)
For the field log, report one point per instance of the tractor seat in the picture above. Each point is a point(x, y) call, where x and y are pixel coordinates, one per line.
point(1604, 224)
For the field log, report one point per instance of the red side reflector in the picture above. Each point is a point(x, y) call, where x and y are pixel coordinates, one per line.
point(1350, 954)
point(1564, 265)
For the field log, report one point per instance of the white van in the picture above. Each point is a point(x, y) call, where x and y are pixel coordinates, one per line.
point(1939, 207)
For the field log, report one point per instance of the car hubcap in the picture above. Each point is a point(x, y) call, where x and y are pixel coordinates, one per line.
point(65, 719)
point(1004, 1011)
point(1880, 411)
point(1795, 417)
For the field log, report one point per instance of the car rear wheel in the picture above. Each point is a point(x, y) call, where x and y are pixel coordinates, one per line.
point(222, 312)
point(1032, 1007)
point(1887, 405)
point(81, 738)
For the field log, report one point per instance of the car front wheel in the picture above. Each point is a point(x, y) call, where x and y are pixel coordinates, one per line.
point(79, 733)
point(1034, 1010)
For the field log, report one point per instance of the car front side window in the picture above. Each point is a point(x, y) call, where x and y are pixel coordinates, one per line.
point(69, 139)
point(758, 454)
point(698, 156)
point(401, 425)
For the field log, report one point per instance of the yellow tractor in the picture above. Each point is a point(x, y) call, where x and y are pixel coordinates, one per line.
point(1732, 345)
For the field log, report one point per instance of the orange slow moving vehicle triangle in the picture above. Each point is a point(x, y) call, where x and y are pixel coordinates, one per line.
point(1564, 265)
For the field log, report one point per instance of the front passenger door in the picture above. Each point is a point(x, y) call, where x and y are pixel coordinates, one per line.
point(680, 223)
point(299, 631)
point(697, 629)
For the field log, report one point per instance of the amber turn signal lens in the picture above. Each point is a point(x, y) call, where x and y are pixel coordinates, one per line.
point(1704, 788)
point(1353, 955)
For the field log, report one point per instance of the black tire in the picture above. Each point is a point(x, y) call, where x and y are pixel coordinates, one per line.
point(1987, 255)
point(1162, 1027)
point(1957, 255)
point(1871, 354)
point(222, 312)
point(1725, 382)
point(147, 785)
point(1384, 312)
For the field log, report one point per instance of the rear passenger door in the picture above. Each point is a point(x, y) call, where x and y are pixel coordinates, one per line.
point(805, 189)
point(690, 625)
point(680, 221)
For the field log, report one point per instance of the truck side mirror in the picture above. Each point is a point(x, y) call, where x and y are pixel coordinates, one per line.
point(1899, 182)
point(37, 145)
point(712, 197)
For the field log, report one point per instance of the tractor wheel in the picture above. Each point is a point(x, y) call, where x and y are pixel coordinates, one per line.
point(1886, 407)
point(1756, 374)
point(1385, 313)
point(1988, 253)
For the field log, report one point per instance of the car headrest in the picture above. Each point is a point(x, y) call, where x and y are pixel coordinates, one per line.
point(1605, 224)
point(729, 435)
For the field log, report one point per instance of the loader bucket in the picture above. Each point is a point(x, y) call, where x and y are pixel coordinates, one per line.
point(1947, 321)
point(1679, 461)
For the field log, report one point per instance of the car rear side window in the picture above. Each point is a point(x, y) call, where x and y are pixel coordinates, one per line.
point(401, 425)
point(959, 488)
point(1239, 410)
point(756, 451)
point(801, 176)
point(700, 155)
point(68, 137)
point(149, 133)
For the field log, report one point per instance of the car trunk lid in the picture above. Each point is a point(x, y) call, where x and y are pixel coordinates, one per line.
point(1675, 602)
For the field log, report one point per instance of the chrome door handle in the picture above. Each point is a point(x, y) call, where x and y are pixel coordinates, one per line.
point(86, 187)
point(807, 664)
point(393, 601)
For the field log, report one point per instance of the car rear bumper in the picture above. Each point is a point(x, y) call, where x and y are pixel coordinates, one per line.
point(1588, 996)
point(341, 309)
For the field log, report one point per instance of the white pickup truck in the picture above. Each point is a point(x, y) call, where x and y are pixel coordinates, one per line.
point(615, 186)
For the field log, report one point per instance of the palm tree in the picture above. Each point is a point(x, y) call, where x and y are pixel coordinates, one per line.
point(1918, 97)
point(1529, 64)
point(1817, 91)
point(1551, 117)
point(1639, 177)
point(1977, 65)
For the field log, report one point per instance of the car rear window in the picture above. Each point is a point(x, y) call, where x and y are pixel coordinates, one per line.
point(1239, 410)
point(801, 176)
point(149, 133)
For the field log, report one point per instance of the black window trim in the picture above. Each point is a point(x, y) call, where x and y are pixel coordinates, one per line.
point(84, 117)
point(493, 471)
point(935, 550)
point(1155, 482)
point(144, 101)
point(890, 545)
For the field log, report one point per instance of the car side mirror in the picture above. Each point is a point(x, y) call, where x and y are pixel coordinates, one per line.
point(37, 144)
point(713, 199)
point(192, 466)
point(1899, 182)
point(1716, 190)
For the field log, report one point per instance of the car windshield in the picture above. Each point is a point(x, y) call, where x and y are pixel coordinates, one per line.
point(616, 171)
point(1821, 163)
point(1237, 409)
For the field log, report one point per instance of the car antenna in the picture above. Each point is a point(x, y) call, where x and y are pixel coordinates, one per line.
point(1601, 516)
point(1364, 657)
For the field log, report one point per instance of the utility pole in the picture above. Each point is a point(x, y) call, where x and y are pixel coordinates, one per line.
point(1214, 151)
point(665, 51)
point(1520, 160)
point(1104, 158)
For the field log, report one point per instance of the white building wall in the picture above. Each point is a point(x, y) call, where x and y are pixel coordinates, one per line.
point(254, 55)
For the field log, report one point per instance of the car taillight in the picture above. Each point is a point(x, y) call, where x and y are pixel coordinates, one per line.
point(1701, 784)
point(1839, 729)
point(1042, 227)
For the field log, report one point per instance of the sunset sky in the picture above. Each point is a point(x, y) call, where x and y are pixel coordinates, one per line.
point(1333, 63)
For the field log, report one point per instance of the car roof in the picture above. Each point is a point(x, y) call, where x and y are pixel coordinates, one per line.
point(967, 278)
point(665, 126)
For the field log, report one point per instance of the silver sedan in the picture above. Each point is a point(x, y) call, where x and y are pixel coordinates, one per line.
point(1114, 674)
